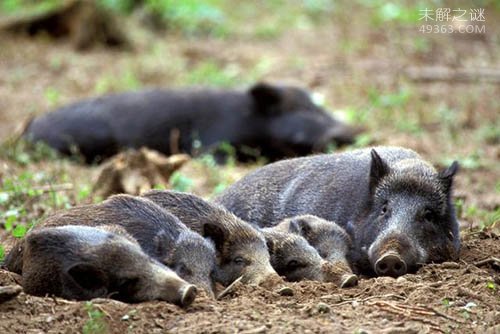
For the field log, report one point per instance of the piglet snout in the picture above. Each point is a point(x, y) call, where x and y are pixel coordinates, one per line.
point(188, 295)
point(390, 264)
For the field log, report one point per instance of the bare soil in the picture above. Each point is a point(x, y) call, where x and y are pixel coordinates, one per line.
point(345, 60)
point(447, 298)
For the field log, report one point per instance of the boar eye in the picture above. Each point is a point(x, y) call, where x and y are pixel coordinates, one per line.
point(429, 216)
point(183, 270)
point(384, 209)
point(239, 260)
point(292, 264)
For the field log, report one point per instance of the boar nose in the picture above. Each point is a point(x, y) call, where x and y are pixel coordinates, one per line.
point(390, 264)
point(188, 295)
point(348, 280)
point(338, 273)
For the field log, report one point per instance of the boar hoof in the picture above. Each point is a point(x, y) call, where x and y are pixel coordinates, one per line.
point(348, 280)
point(188, 295)
point(390, 264)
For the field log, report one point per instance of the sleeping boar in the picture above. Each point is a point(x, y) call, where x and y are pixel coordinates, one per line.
point(241, 249)
point(267, 120)
point(330, 240)
point(295, 259)
point(395, 205)
point(81, 262)
point(160, 234)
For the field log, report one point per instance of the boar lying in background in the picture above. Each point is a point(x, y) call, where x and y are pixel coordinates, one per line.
point(241, 249)
point(271, 121)
point(160, 234)
point(81, 262)
point(396, 207)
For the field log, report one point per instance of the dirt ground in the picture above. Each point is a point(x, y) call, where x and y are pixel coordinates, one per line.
point(447, 298)
point(360, 72)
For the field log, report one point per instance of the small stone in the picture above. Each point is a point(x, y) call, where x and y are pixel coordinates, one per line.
point(323, 308)
point(125, 317)
point(286, 291)
point(401, 279)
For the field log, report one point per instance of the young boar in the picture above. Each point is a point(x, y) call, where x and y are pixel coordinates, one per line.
point(81, 262)
point(160, 234)
point(330, 240)
point(272, 121)
point(241, 249)
point(293, 258)
point(395, 205)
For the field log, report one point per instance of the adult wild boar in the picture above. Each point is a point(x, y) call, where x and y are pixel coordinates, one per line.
point(81, 262)
point(395, 205)
point(273, 121)
point(241, 249)
point(160, 234)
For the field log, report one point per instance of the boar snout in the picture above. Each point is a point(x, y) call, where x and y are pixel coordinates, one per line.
point(390, 264)
point(268, 278)
point(339, 273)
point(188, 295)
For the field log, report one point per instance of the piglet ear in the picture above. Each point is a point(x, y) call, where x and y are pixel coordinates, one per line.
point(446, 175)
point(90, 278)
point(265, 97)
point(216, 233)
point(300, 226)
point(161, 244)
point(270, 245)
point(378, 169)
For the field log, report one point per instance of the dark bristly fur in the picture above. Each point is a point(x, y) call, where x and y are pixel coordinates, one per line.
point(160, 234)
point(81, 262)
point(292, 256)
point(387, 198)
point(331, 241)
point(274, 121)
point(241, 249)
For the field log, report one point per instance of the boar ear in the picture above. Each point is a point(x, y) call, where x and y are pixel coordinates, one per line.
point(265, 97)
point(160, 244)
point(378, 169)
point(270, 245)
point(89, 277)
point(216, 233)
point(300, 227)
point(446, 175)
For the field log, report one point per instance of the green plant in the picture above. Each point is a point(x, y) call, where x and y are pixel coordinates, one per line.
point(491, 285)
point(25, 152)
point(189, 16)
point(52, 95)
point(96, 323)
point(17, 6)
point(2, 252)
point(210, 73)
point(180, 182)
point(126, 80)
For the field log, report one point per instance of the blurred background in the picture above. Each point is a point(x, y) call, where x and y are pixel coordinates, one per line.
point(420, 74)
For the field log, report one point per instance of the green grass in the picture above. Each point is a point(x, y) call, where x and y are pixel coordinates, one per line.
point(127, 80)
point(96, 323)
point(24, 152)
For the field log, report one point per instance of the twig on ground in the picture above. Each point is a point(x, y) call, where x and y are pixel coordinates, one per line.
point(229, 288)
point(488, 260)
point(349, 301)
